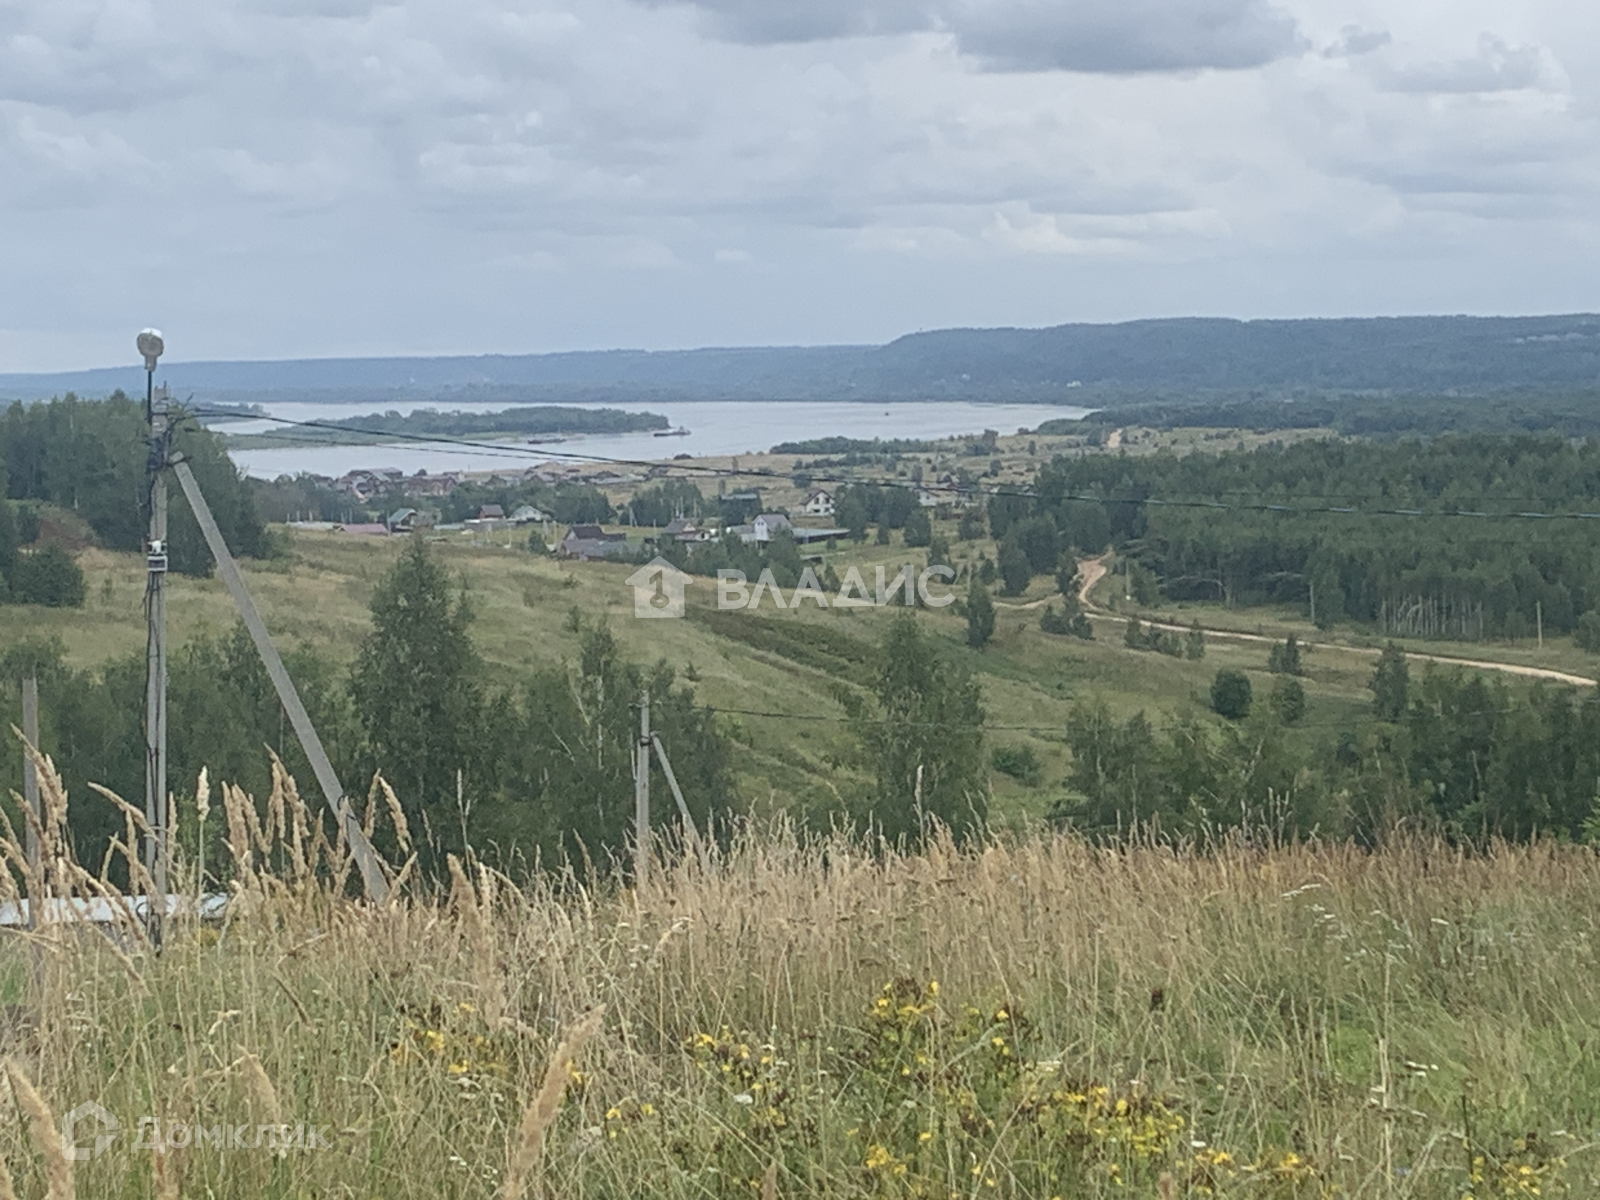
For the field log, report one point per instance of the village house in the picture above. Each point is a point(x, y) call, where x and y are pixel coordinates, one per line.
point(819, 503)
point(527, 514)
point(762, 529)
point(586, 542)
point(684, 529)
point(404, 520)
point(422, 484)
point(365, 484)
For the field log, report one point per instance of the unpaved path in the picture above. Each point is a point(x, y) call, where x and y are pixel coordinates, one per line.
point(1092, 570)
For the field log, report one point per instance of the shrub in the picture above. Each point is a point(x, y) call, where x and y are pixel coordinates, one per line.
point(1231, 694)
point(1070, 622)
point(1019, 762)
point(47, 576)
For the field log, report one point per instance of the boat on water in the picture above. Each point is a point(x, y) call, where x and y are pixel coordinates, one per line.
point(545, 441)
point(680, 431)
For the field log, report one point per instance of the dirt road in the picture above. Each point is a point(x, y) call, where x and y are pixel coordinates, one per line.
point(1092, 570)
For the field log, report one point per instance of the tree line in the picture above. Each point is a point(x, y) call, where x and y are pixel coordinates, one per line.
point(1453, 752)
point(89, 459)
point(1512, 575)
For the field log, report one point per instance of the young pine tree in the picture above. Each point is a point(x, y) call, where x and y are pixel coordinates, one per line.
point(418, 690)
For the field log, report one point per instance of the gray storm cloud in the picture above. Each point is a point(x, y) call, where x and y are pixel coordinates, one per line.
point(1110, 36)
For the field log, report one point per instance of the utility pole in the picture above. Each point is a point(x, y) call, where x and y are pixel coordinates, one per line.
point(641, 795)
point(155, 705)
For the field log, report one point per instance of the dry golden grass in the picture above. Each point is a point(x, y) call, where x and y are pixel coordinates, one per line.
point(1030, 1018)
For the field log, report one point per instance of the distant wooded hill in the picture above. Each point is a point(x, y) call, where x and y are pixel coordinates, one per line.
point(1092, 364)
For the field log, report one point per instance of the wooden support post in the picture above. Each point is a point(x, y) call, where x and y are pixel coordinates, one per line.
point(30, 786)
point(689, 830)
point(641, 795)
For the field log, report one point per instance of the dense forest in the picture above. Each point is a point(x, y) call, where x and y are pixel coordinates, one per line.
point(1567, 412)
point(1417, 538)
point(89, 458)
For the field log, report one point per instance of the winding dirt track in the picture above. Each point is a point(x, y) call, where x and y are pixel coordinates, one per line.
point(1092, 570)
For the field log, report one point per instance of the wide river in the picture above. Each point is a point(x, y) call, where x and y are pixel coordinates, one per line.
point(715, 428)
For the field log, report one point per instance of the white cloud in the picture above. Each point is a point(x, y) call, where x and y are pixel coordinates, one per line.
point(421, 175)
point(1496, 67)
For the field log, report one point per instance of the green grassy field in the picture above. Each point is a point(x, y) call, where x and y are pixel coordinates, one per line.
point(765, 661)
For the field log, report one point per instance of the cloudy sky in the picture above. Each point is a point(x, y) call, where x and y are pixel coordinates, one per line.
point(286, 178)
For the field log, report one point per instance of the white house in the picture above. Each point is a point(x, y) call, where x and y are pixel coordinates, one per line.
point(766, 525)
point(927, 499)
point(819, 503)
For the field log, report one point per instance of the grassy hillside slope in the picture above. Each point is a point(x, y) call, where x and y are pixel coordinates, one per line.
point(798, 664)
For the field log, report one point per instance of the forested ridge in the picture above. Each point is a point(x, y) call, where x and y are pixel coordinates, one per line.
point(1384, 354)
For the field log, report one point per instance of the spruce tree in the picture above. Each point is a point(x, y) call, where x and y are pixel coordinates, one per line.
point(417, 686)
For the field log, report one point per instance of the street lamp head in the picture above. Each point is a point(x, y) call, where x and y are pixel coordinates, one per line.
point(151, 346)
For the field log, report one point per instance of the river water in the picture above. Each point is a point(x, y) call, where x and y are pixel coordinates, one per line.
point(716, 428)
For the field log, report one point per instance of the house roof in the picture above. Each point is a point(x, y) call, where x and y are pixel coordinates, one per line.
point(594, 547)
point(774, 520)
point(593, 533)
point(400, 514)
point(490, 511)
point(680, 525)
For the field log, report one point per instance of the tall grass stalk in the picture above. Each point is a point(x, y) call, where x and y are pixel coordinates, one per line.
point(823, 1017)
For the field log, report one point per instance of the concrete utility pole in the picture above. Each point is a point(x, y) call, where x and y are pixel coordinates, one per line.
point(641, 795)
point(372, 874)
point(155, 706)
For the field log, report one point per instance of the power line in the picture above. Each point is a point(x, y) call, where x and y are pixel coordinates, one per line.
point(493, 449)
